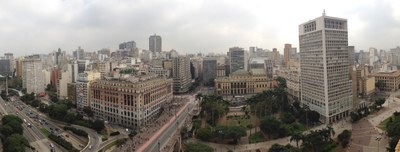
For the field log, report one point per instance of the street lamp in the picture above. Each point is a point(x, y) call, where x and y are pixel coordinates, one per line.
point(378, 139)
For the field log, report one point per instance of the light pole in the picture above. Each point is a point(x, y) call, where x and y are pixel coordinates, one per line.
point(378, 139)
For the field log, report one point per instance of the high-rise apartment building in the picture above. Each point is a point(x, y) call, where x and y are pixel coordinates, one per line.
point(132, 102)
point(325, 83)
point(181, 74)
point(32, 75)
point(286, 53)
point(155, 43)
point(83, 86)
point(238, 59)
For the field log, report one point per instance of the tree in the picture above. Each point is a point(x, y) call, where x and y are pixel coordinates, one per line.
point(270, 125)
point(35, 103)
point(204, 133)
point(16, 143)
point(88, 111)
point(98, 125)
point(344, 137)
point(354, 116)
point(58, 111)
point(287, 118)
point(313, 116)
point(184, 132)
point(297, 136)
point(380, 85)
point(70, 117)
point(198, 147)
point(379, 102)
point(281, 148)
point(319, 140)
point(10, 118)
point(230, 132)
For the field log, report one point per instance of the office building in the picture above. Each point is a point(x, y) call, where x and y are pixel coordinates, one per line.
point(32, 75)
point(238, 59)
point(325, 84)
point(209, 70)
point(181, 74)
point(133, 101)
point(155, 43)
point(286, 53)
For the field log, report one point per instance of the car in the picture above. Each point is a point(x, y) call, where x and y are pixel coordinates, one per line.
point(51, 128)
point(90, 147)
point(51, 145)
point(57, 129)
point(66, 135)
point(80, 145)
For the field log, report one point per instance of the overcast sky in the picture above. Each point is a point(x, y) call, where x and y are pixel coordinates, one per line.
point(189, 26)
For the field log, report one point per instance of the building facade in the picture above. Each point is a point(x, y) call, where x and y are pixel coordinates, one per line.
point(181, 74)
point(390, 79)
point(243, 83)
point(209, 70)
point(238, 59)
point(132, 102)
point(155, 43)
point(82, 88)
point(32, 75)
point(286, 53)
point(325, 83)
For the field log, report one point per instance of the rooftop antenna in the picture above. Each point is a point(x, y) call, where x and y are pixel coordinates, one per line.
point(323, 13)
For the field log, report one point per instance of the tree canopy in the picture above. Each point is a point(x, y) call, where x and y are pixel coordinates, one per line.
point(198, 147)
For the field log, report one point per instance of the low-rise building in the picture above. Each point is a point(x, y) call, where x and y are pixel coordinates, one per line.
point(390, 79)
point(242, 83)
point(130, 101)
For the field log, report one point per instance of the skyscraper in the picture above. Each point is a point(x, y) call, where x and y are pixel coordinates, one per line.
point(325, 83)
point(155, 43)
point(32, 75)
point(286, 53)
point(181, 74)
point(237, 59)
point(209, 70)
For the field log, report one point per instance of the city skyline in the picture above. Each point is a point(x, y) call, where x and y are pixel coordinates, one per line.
point(188, 27)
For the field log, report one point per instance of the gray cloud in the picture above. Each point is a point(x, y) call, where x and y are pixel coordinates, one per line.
point(187, 26)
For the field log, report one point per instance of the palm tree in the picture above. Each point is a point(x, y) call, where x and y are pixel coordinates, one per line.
point(297, 136)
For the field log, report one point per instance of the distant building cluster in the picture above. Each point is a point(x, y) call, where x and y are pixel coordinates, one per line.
point(130, 85)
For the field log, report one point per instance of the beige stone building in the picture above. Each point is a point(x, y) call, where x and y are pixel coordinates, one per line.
point(364, 81)
point(391, 79)
point(242, 82)
point(130, 101)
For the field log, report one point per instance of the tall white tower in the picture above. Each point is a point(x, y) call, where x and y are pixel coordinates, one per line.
point(325, 84)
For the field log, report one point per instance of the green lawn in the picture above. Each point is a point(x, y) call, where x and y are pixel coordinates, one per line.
point(257, 137)
point(45, 131)
point(382, 125)
point(235, 121)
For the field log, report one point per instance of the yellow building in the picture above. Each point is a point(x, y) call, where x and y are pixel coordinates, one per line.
point(365, 82)
point(242, 82)
point(391, 79)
